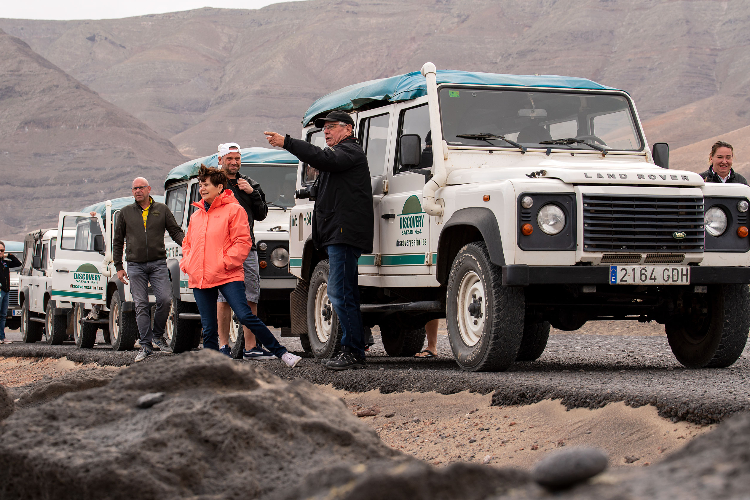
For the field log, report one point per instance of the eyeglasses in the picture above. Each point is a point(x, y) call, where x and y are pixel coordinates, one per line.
point(138, 188)
point(332, 126)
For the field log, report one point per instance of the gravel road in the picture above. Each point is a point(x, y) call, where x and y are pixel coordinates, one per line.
point(584, 370)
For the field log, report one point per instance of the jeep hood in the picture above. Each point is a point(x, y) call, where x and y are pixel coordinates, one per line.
point(607, 171)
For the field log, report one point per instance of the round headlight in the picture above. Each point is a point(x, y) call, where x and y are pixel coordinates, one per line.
point(716, 221)
point(527, 202)
point(280, 257)
point(551, 219)
point(742, 206)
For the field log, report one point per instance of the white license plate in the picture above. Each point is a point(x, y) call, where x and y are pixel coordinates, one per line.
point(16, 312)
point(649, 275)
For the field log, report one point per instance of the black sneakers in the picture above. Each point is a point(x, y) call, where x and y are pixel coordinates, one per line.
point(346, 361)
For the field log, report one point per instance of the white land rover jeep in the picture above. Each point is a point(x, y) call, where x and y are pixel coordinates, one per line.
point(540, 203)
point(275, 171)
point(13, 319)
point(44, 312)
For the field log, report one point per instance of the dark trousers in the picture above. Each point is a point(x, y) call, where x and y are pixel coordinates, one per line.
point(343, 291)
point(156, 273)
point(234, 293)
point(3, 312)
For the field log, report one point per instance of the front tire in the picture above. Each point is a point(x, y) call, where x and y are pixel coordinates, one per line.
point(485, 318)
point(323, 328)
point(123, 328)
point(56, 325)
point(714, 333)
point(84, 334)
point(31, 331)
point(182, 334)
point(236, 338)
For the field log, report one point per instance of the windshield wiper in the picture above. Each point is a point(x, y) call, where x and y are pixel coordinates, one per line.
point(572, 140)
point(491, 137)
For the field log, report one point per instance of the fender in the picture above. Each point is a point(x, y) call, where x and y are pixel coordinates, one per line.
point(173, 267)
point(483, 220)
point(22, 295)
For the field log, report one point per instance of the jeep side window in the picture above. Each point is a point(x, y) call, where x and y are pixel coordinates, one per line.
point(195, 196)
point(176, 202)
point(79, 233)
point(415, 121)
point(37, 253)
point(52, 248)
point(373, 135)
point(45, 253)
point(316, 138)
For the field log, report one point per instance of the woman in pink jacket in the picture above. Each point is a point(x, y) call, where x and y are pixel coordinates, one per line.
point(213, 251)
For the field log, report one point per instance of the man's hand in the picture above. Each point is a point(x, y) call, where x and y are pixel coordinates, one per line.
point(275, 139)
point(122, 276)
point(245, 186)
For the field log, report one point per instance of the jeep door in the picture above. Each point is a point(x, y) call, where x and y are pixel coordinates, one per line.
point(79, 260)
point(372, 131)
point(404, 226)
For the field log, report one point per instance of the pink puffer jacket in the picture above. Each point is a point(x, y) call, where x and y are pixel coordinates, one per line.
point(217, 243)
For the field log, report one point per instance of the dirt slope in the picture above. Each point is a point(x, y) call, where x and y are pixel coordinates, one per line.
point(62, 146)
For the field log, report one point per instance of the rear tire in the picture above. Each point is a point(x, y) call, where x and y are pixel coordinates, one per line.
point(56, 325)
point(323, 328)
point(122, 325)
point(714, 333)
point(485, 318)
point(535, 337)
point(399, 340)
point(84, 334)
point(31, 331)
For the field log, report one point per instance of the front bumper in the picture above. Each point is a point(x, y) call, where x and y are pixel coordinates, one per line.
point(523, 275)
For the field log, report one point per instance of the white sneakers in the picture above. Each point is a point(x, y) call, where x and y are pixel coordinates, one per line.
point(290, 359)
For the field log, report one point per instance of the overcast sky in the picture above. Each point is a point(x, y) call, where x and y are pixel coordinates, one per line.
point(112, 9)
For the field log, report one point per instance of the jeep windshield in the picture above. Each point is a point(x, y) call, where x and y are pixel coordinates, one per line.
point(556, 119)
point(277, 182)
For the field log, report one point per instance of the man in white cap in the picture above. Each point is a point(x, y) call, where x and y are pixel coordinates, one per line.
point(251, 198)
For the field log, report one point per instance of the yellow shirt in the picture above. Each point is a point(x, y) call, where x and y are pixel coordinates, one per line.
point(145, 211)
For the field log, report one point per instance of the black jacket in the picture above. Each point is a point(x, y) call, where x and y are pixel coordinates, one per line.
point(253, 203)
point(9, 261)
point(144, 244)
point(343, 208)
point(711, 176)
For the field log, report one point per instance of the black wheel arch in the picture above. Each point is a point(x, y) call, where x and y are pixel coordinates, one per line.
point(466, 226)
point(310, 258)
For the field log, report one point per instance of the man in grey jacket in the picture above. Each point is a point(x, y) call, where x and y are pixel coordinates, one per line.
point(140, 229)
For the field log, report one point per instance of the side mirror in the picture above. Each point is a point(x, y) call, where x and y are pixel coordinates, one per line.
point(99, 243)
point(410, 150)
point(660, 152)
point(36, 262)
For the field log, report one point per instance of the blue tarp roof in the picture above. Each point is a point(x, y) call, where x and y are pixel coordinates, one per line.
point(249, 155)
point(412, 85)
point(117, 204)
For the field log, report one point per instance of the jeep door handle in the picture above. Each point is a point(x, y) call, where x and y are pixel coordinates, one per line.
point(62, 270)
point(388, 216)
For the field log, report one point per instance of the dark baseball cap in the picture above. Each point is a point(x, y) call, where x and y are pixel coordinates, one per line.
point(335, 116)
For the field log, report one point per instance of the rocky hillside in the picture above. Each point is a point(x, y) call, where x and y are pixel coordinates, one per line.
point(207, 76)
point(61, 145)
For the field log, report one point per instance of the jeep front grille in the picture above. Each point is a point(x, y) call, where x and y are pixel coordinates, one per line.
point(664, 258)
point(642, 224)
point(13, 298)
point(628, 258)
